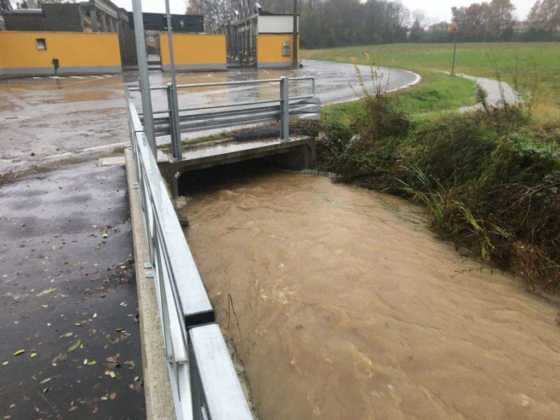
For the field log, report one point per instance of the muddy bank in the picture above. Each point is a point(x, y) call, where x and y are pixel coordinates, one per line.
point(343, 305)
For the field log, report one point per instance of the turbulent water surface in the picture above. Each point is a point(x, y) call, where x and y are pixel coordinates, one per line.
point(343, 305)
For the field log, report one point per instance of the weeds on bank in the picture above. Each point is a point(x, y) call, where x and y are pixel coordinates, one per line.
point(489, 179)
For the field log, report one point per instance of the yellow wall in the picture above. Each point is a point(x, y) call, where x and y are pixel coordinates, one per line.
point(269, 48)
point(73, 49)
point(195, 49)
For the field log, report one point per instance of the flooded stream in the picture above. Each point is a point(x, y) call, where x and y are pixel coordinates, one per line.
point(343, 305)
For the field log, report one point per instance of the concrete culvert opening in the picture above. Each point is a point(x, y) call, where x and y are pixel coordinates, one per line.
point(342, 304)
point(211, 180)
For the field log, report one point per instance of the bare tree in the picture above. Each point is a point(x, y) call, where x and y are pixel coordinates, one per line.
point(5, 6)
point(194, 7)
point(216, 12)
point(421, 17)
point(324, 23)
point(485, 21)
point(545, 16)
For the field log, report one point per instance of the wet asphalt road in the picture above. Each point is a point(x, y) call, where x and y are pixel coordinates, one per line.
point(68, 294)
point(41, 118)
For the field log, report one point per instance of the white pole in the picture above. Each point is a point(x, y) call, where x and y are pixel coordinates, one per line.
point(144, 75)
point(176, 136)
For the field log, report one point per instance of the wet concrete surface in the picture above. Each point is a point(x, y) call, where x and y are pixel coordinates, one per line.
point(41, 118)
point(498, 93)
point(45, 120)
point(68, 298)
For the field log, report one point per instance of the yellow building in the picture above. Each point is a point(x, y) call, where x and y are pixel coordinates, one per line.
point(263, 40)
point(275, 50)
point(29, 53)
point(194, 51)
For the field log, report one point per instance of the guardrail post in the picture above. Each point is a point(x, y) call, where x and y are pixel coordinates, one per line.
point(284, 109)
point(144, 75)
point(174, 127)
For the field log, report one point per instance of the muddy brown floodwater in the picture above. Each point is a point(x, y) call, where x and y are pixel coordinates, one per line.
point(343, 305)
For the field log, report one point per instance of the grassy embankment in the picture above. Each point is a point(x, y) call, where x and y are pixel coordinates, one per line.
point(533, 68)
point(490, 180)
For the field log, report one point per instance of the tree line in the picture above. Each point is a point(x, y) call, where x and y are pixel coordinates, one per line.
point(333, 23)
point(493, 21)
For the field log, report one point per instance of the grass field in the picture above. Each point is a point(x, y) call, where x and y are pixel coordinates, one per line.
point(437, 94)
point(534, 68)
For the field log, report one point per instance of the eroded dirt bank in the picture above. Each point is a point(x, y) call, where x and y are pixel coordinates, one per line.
point(343, 305)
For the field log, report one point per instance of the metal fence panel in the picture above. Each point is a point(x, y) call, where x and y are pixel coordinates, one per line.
point(183, 302)
point(218, 394)
point(172, 122)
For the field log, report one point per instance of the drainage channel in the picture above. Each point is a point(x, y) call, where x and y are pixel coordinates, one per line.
point(342, 304)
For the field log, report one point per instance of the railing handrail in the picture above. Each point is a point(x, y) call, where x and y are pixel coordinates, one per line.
point(186, 314)
point(235, 105)
point(174, 120)
point(226, 83)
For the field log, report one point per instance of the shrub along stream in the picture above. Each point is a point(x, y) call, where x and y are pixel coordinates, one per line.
point(489, 179)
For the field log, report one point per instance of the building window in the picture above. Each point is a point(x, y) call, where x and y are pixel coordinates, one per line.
point(286, 49)
point(41, 44)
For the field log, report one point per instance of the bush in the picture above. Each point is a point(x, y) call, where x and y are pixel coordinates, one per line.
point(381, 119)
point(490, 179)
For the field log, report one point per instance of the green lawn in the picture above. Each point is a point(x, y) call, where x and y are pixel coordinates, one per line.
point(437, 94)
point(533, 67)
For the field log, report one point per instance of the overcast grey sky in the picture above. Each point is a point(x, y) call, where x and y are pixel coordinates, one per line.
point(156, 6)
point(435, 9)
point(441, 9)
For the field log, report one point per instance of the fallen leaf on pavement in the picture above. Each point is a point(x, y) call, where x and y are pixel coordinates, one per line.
point(46, 292)
point(75, 346)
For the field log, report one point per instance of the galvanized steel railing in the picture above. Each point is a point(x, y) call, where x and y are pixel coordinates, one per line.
point(204, 383)
point(175, 120)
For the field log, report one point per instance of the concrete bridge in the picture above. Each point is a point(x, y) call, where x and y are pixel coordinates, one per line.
point(267, 121)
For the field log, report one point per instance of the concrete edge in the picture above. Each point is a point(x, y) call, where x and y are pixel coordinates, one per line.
point(157, 388)
point(49, 71)
point(417, 79)
point(196, 67)
point(274, 65)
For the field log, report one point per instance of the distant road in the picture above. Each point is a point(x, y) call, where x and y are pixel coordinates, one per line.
point(338, 82)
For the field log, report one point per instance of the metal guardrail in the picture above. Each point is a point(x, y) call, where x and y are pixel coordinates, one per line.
point(204, 383)
point(175, 120)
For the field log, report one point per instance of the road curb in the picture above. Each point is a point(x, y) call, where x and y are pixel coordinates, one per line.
point(157, 388)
